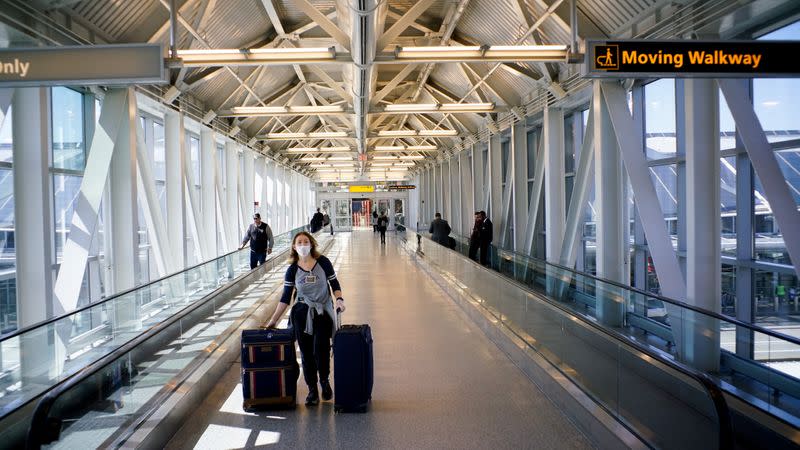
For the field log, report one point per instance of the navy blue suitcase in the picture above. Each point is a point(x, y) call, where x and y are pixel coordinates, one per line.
point(352, 368)
point(269, 369)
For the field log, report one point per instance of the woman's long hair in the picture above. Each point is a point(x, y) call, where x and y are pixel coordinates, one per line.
point(294, 257)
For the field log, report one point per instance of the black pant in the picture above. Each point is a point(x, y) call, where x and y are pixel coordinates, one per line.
point(257, 258)
point(485, 253)
point(383, 235)
point(473, 250)
point(315, 350)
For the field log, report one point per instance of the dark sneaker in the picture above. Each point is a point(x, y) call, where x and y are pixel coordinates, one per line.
point(327, 392)
point(313, 398)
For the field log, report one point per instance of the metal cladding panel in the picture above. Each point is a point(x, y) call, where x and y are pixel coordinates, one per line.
point(117, 18)
point(233, 23)
point(498, 22)
point(293, 17)
point(611, 15)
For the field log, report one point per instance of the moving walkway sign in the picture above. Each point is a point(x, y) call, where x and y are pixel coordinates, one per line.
point(119, 64)
point(361, 188)
point(699, 59)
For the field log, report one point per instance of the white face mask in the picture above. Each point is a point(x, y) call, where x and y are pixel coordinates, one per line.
point(303, 250)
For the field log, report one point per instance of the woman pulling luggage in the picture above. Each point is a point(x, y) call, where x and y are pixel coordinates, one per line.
point(313, 316)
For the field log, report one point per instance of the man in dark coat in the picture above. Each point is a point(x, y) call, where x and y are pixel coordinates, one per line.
point(481, 237)
point(316, 221)
point(439, 230)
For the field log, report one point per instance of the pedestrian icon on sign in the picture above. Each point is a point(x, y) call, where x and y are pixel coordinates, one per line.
point(606, 57)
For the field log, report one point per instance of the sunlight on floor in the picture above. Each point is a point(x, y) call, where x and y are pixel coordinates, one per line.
point(221, 436)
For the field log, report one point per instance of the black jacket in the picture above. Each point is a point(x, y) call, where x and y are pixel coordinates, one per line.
point(439, 229)
point(316, 221)
point(383, 223)
point(481, 232)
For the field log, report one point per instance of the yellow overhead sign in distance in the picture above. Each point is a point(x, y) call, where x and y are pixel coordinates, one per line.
point(362, 188)
point(700, 59)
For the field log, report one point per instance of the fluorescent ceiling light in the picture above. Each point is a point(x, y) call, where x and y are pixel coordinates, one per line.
point(542, 53)
point(380, 164)
point(422, 108)
point(326, 170)
point(302, 149)
point(421, 148)
point(417, 133)
point(319, 166)
point(403, 148)
point(398, 169)
point(314, 135)
point(258, 111)
point(312, 159)
point(328, 134)
point(342, 165)
point(412, 157)
point(286, 135)
point(256, 56)
point(340, 158)
point(448, 107)
point(317, 149)
point(384, 157)
point(405, 164)
point(410, 107)
point(397, 133)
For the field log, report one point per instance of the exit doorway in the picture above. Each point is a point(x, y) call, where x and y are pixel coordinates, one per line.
point(361, 211)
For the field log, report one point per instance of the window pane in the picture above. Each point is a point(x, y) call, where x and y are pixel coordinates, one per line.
point(727, 128)
point(194, 151)
point(776, 297)
point(67, 106)
point(159, 153)
point(65, 189)
point(5, 136)
point(727, 195)
point(660, 119)
point(775, 100)
point(8, 284)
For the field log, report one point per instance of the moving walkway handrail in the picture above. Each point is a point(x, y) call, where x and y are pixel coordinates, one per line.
point(712, 314)
point(726, 440)
point(43, 407)
point(116, 295)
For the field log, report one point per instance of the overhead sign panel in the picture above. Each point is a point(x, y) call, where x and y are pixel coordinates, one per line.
point(701, 59)
point(82, 65)
point(401, 187)
point(362, 188)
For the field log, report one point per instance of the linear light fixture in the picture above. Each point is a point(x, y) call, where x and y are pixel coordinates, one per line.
point(408, 164)
point(318, 149)
point(261, 111)
point(540, 53)
point(312, 159)
point(255, 56)
point(398, 169)
point(416, 133)
point(422, 108)
point(412, 157)
point(385, 158)
point(340, 158)
point(380, 164)
point(402, 148)
point(313, 135)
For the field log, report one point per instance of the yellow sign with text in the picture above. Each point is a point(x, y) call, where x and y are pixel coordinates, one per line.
point(362, 188)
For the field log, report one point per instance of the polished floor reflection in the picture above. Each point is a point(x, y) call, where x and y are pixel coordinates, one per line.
point(439, 382)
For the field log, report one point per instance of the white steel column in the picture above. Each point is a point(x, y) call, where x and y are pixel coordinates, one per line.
point(447, 177)
point(208, 188)
point(32, 210)
point(478, 182)
point(703, 265)
point(269, 207)
point(467, 201)
point(175, 181)
point(495, 197)
point(584, 176)
point(608, 203)
point(231, 191)
point(260, 188)
point(553, 135)
point(124, 204)
point(249, 184)
point(519, 148)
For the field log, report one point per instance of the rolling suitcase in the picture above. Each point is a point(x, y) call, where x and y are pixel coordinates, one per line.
point(269, 369)
point(352, 368)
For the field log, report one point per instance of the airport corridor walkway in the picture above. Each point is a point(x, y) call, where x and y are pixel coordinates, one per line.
point(439, 381)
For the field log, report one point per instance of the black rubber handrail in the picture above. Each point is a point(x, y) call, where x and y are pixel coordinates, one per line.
point(715, 393)
point(121, 294)
point(38, 427)
point(731, 320)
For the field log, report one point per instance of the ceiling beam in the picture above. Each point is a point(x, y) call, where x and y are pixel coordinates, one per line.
point(408, 18)
point(322, 20)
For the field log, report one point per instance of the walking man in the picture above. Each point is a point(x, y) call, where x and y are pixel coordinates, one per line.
point(259, 234)
point(484, 237)
point(383, 223)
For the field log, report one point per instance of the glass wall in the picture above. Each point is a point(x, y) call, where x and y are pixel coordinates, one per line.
point(8, 297)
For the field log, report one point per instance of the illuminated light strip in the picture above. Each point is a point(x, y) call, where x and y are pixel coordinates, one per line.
point(422, 108)
point(541, 53)
point(256, 56)
point(314, 135)
point(402, 148)
point(259, 111)
point(318, 149)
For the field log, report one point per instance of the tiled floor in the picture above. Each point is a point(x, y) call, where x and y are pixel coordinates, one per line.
point(439, 382)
